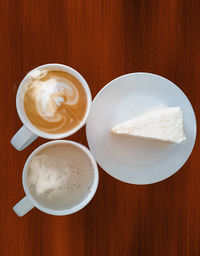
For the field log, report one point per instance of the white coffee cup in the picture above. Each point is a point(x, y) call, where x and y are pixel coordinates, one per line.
point(28, 132)
point(28, 202)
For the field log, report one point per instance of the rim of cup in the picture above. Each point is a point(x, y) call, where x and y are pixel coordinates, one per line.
point(77, 207)
point(26, 121)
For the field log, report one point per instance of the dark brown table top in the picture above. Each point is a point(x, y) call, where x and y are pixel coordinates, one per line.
point(102, 40)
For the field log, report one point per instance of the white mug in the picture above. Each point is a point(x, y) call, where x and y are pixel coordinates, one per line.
point(28, 132)
point(28, 202)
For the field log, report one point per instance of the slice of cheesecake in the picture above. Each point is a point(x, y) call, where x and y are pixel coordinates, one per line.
point(164, 124)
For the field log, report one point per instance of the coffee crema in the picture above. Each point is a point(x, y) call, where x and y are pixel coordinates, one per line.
point(60, 176)
point(54, 101)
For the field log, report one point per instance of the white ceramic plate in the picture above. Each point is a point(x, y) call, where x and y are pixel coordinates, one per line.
point(136, 160)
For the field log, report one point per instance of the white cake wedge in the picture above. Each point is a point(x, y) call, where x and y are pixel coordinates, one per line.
point(165, 124)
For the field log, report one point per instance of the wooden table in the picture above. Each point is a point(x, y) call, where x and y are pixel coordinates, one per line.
point(102, 40)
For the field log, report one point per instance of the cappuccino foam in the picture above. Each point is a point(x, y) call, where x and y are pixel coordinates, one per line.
point(60, 176)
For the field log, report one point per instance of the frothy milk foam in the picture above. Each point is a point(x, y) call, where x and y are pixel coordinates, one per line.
point(60, 176)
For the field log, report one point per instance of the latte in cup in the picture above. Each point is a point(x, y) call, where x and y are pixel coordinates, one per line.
point(54, 101)
point(60, 176)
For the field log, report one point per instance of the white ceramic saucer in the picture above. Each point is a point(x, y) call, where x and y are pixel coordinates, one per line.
point(136, 160)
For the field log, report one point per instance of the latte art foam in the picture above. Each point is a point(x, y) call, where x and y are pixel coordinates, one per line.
point(54, 101)
point(50, 94)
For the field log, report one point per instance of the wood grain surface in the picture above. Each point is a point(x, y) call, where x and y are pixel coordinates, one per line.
point(102, 39)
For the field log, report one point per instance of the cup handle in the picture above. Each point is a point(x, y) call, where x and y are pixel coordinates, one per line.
point(23, 138)
point(23, 206)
